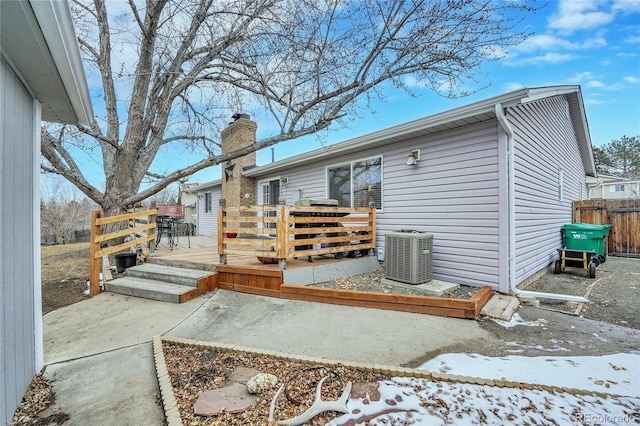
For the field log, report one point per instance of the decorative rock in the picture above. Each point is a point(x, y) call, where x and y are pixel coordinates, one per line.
point(362, 390)
point(243, 374)
point(261, 382)
point(230, 399)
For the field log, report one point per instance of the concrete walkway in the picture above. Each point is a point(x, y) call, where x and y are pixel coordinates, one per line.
point(99, 358)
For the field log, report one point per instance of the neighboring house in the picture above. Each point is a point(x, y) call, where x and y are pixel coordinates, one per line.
point(41, 78)
point(614, 188)
point(188, 198)
point(493, 181)
point(208, 200)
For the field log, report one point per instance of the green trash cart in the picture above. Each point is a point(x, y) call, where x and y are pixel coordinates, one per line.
point(583, 245)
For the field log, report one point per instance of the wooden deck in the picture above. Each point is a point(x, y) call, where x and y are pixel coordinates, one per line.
point(247, 274)
point(201, 252)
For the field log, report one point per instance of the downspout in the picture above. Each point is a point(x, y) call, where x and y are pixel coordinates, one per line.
point(502, 119)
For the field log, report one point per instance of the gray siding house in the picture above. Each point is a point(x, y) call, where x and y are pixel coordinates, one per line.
point(493, 181)
point(41, 78)
point(208, 200)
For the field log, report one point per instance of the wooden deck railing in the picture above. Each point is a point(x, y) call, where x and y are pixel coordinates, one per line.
point(139, 231)
point(278, 233)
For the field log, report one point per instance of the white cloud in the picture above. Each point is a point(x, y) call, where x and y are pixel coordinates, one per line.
point(510, 87)
point(582, 77)
point(548, 58)
point(551, 42)
point(590, 80)
point(575, 15)
point(627, 6)
point(411, 81)
point(632, 79)
point(635, 39)
point(595, 84)
point(591, 101)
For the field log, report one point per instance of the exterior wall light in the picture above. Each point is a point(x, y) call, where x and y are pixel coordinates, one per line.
point(414, 157)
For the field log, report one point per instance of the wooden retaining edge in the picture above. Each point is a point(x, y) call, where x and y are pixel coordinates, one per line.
point(248, 289)
point(249, 270)
point(481, 298)
point(204, 285)
point(207, 283)
point(268, 282)
point(417, 304)
point(172, 413)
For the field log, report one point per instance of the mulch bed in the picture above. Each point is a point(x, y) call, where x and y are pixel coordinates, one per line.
point(38, 398)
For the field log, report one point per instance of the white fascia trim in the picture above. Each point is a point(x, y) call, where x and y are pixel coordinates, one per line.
point(481, 107)
point(56, 24)
point(205, 186)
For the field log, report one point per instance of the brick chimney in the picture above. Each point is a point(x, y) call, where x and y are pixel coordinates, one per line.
point(235, 187)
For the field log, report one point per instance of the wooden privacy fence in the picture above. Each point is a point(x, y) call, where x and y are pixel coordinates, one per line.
point(139, 230)
point(622, 215)
point(277, 233)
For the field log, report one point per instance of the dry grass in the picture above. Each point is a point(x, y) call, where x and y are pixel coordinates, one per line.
point(65, 271)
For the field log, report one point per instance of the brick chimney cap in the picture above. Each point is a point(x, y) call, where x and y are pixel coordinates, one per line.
point(239, 115)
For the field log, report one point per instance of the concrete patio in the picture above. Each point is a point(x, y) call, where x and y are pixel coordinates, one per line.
point(99, 356)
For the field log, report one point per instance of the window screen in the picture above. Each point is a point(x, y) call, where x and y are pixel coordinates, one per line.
point(357, 183)
point(207, 202)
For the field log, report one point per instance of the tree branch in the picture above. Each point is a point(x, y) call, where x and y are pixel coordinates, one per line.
point(92, 133)
point(64, 165)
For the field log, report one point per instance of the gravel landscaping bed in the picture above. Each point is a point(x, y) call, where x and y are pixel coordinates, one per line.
point(193, 370)
point(374, 281)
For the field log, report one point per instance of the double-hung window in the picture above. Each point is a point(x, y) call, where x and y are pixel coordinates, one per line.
point(357, 183)
point(207, 202)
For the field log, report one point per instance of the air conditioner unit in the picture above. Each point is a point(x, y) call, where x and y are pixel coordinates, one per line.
point(408, 257)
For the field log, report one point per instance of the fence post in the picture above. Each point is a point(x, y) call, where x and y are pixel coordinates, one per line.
point(94, 247)
point(152, 244)
point(282, 233)
point(372, 223)
point(222, 212)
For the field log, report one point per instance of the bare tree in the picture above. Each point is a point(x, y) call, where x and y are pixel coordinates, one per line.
point(173, 72)
point(168, 195)
point(63, 211)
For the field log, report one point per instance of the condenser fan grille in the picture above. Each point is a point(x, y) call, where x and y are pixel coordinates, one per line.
point(408, 257)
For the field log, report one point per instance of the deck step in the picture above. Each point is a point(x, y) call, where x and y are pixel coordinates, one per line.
point(167, 274)
point(150, 289)
point(500, 306)
point(186, 264)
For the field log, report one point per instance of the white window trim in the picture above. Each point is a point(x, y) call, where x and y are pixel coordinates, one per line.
point(261, 183)
point(350, 163)
point(208, 194)
point(560, 184)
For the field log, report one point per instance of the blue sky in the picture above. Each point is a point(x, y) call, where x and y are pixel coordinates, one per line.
point(591, 43)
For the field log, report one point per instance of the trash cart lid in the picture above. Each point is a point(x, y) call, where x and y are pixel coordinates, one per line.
point(579, 226)
point(603, 230)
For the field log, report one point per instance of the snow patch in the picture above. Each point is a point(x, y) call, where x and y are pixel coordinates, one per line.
point(517, 320)
point(411, 401)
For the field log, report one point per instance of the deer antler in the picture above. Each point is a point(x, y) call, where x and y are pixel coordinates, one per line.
point(272, 407)
point(320, 406)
